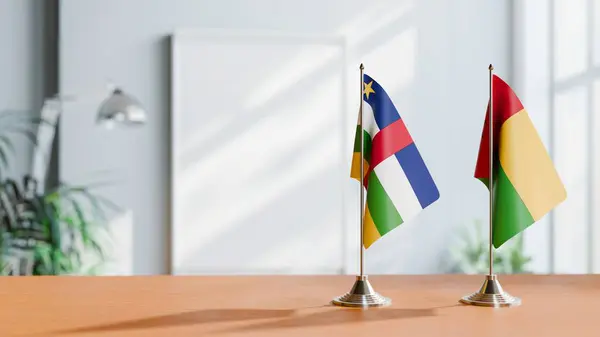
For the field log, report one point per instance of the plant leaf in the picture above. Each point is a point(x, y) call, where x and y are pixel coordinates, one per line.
point(43, 254)
point(3, 158)
point(8, 143)
point(30, 135)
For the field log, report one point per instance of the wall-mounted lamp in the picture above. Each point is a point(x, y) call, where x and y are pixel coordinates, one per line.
point(120, 108)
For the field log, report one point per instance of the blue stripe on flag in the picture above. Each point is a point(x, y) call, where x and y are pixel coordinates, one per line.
point(418, 175)
point(384, 110)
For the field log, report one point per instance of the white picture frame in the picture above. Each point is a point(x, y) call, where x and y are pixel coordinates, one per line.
point(254, 246)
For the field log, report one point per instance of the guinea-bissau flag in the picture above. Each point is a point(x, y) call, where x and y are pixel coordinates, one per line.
point(526, 185)
point(397, 182)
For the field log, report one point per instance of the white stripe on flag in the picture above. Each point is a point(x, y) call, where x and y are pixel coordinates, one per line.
point(369, 119)
point(398, 188)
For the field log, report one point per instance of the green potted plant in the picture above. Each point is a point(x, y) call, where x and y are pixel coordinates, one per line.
point(47, 233)
point(471, 254)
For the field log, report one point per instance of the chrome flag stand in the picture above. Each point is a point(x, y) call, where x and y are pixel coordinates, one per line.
point(491, 293)
point(362, 294)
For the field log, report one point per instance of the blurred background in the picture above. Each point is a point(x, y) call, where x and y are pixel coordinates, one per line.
point(241, 163)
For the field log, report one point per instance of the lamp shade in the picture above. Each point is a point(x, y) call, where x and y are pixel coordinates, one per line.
point(121, 108)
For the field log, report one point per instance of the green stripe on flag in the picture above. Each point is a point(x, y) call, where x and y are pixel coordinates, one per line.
point(368, 143)
point(384, 214)
point(511, 216)
point(485, 181)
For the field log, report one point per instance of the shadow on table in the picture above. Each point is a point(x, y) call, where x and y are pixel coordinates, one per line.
point(185, 318)
point(334, 317)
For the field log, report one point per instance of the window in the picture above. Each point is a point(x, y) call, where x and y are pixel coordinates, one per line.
point(557, 75)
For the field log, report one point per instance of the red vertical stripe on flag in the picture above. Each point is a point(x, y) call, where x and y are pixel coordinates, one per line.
point(506, 104)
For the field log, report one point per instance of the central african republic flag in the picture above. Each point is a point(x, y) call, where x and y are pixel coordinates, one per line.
point(397, 181)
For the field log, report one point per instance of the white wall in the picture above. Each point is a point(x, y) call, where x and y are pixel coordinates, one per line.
point(557, 78)
point(438, 82)
point(532, 82)
point(22, 67)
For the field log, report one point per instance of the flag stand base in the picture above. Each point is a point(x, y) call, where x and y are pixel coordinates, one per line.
point(491, 294)
point(361, 295)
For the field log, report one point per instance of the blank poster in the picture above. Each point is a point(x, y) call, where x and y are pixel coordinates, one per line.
point(260, 146)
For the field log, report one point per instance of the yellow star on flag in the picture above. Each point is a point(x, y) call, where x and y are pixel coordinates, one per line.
point(368, 90)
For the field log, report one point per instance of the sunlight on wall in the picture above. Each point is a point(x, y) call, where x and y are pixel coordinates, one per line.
point(375, 17)
point(532, 84)
point(303, 64)
point(570, 47)
point(393, 63)
point(566, 116)
point(261, 180)
point(265, 184)
point(596, 33)
point(262, 157)
point(595, 174)
point(571, 160)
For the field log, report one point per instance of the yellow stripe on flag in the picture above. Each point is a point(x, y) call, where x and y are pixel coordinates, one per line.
point(370, 233)
point(528, 166)
point(355, 169)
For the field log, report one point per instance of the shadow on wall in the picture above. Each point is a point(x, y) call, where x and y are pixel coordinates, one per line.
point(424, 73)
point(280, 224)
point(444, 109)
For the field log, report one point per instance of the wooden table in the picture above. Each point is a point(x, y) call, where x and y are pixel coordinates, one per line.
point(292, 306)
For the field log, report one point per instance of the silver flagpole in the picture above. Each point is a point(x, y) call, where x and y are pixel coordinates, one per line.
point(362, 294)
point(491, 293)
point(491, 180)
point(361, 245)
